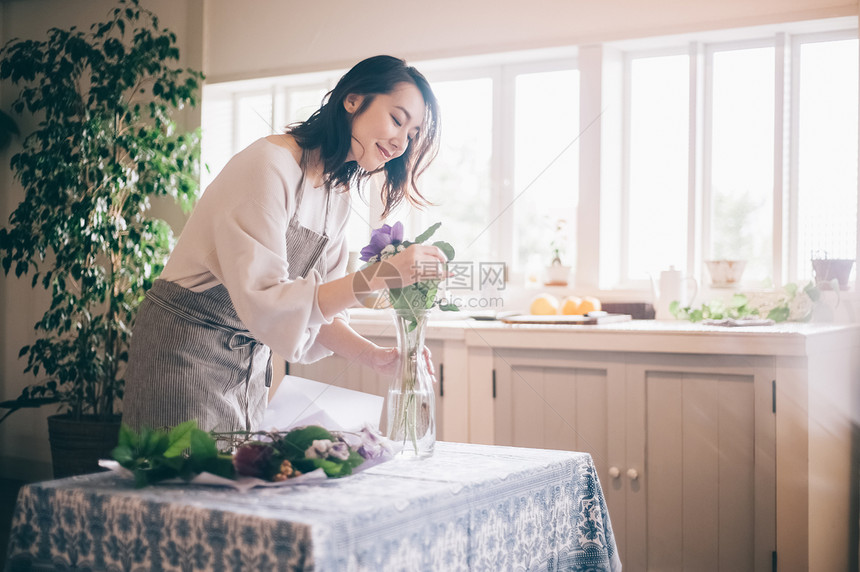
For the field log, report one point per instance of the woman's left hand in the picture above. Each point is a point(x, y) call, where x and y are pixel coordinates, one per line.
point(385, 361)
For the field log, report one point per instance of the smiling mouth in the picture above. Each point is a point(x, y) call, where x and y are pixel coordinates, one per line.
point(385, 154)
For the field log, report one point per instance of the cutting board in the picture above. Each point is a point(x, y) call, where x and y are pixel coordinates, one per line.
point(566, 320)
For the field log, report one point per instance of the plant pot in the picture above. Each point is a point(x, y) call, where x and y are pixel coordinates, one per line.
point(77, 446)
point(725, 273)
point(829, 269)
point(557, 275)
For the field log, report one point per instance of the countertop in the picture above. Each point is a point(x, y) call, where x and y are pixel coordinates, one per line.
point(787, 338)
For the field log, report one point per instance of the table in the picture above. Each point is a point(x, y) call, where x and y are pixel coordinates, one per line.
point(468, 507)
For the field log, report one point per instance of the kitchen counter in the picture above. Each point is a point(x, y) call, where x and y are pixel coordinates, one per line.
point(785, 339)
point(682, 420)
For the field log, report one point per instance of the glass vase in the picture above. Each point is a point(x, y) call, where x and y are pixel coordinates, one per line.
point(411, 399)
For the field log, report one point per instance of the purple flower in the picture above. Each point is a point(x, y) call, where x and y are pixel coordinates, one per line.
point(339, 450)
point(252, 459)
point(373, 444)
point(380, 238)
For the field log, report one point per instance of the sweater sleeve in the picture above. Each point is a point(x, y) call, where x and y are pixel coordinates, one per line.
point(337, 256)
point(249, 257)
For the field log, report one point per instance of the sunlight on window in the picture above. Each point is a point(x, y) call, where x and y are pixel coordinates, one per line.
point(546, 165)
point(303, 102)
point(827, 189)
point(254, 119)
point(659, 123)
point(742, 160)
point(216, 146)
point(458, 181)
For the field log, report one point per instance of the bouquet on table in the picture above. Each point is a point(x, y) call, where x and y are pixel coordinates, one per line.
point(265, 457)
point(411, 398)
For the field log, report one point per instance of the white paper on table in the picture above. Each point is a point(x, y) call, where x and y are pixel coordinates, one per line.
point(299, 402)
point(239, 483)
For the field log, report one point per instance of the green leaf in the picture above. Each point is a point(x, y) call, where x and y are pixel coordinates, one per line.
point(203, 446)
point(446, 248)
point(739, 300)
point(812, 291)
point(127, 437)
point(421, 238)
point(124, 455)
point(179, 438)
point(297, 441)
point(449, 307)
point(779, 314)
point(221, 465)
point(331, 468)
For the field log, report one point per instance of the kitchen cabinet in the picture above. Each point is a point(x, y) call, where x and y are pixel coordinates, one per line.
point(717, 448)
point(674, 439)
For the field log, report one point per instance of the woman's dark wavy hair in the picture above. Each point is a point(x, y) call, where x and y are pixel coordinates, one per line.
point(329, 129)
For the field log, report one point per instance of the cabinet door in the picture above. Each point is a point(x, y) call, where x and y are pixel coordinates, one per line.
point(344, 373)
point(701, 441)
point(569, 401)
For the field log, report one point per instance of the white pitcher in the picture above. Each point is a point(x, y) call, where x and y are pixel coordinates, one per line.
point(673, 287)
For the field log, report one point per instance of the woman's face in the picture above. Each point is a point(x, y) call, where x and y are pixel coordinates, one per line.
point(384, 130)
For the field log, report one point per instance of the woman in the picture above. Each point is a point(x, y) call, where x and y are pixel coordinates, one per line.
point(260, 265)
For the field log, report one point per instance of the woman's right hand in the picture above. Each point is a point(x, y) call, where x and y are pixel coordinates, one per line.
point(416, 263)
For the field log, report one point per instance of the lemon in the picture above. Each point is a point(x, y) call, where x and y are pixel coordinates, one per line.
point(570, 305)
point(589, 304)
point(544, 305)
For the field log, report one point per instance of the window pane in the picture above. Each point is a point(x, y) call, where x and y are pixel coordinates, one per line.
point(741, 210)
point(827, 195)
point(216, 146)
point(254, 119)
point(303, 102)
point(659, 124)
point(546, 166)
point(458, 181)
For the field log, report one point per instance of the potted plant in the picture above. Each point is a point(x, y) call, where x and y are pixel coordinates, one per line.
point(557, 272)
point(104, 145)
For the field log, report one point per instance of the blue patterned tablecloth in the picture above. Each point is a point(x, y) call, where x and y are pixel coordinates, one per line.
point(468, 507)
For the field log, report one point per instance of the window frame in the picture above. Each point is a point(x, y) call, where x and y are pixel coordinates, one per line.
point(786, 89)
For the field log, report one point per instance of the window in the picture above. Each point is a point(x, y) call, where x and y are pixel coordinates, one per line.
point(730, 144)
point(458, 182)
point(739, 183)
point(762, 166)
point(546, 166)
point(826, 217)
point(658, 149)
point(507, 165)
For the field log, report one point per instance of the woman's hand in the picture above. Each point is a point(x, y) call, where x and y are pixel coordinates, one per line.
point(416, 263)
point(383, 360)
point(386, 360)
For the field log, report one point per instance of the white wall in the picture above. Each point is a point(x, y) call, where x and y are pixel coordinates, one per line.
point(229, 39)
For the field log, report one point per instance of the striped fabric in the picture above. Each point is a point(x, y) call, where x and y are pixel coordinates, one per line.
point(191, 357)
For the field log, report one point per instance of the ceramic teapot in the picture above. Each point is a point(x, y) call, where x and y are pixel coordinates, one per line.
point(672, 287)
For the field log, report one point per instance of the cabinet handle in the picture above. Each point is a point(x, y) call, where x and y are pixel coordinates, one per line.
point(614, 472)
point(632, 474)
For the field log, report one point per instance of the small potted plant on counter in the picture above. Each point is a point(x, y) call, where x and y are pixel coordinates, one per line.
point(557, 272)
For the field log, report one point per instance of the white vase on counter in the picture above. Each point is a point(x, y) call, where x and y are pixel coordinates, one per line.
point(672, 288)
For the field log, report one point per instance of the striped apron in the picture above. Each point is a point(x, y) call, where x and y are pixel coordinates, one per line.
point(191, 357)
